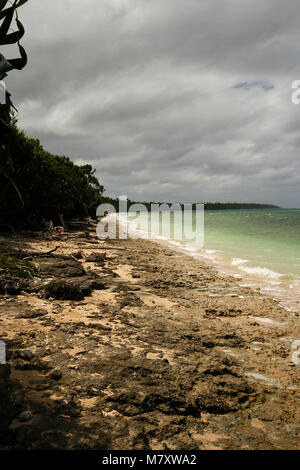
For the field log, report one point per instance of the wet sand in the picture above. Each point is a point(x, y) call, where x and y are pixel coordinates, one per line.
point(164, 353)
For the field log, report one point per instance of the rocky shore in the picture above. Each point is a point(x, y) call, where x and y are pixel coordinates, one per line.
point(131, 345)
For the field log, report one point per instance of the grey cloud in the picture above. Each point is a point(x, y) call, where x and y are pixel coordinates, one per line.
point(168, 100)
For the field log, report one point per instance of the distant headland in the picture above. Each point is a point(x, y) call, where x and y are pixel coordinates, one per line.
point(208, 206)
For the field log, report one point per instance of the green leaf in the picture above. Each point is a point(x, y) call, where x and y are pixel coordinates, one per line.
point(20, 26)
point(5, 65)
point(19, 64)
point(20, 3)
point(15, 36)
point(15, 187)
point(6, 23)
point(4, 123)
point(2, 4)
point(4, 13)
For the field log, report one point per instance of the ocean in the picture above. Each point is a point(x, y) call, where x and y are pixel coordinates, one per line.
point(266, 242)
point(261, 247)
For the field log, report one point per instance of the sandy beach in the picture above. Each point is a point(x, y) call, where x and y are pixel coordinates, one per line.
point(158, 351)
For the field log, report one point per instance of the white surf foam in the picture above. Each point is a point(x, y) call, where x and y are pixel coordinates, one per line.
point(259, 278)
point(258, 271)
point(238, 261)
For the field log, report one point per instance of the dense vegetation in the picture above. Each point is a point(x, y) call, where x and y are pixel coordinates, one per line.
point(40, 186)
point(7, 15)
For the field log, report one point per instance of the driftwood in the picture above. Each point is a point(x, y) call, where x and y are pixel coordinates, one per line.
point(45, 253)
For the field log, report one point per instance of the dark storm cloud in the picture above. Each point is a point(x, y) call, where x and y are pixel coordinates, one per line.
point(169, 100)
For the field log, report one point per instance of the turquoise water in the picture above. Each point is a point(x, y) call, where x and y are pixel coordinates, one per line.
point(257, 238)
point(261, 248)
point(265, 242)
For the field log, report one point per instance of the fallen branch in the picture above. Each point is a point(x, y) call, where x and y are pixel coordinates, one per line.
point(46, 253)
point(49, 252)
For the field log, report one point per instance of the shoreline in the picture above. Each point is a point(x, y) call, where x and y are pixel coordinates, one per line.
point(166, 354)
point(272, 284)
point(281, 287)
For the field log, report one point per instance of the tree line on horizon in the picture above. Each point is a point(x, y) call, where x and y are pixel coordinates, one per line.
point(208, 206)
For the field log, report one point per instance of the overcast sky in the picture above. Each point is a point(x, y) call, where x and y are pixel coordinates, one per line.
point(169, 100)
